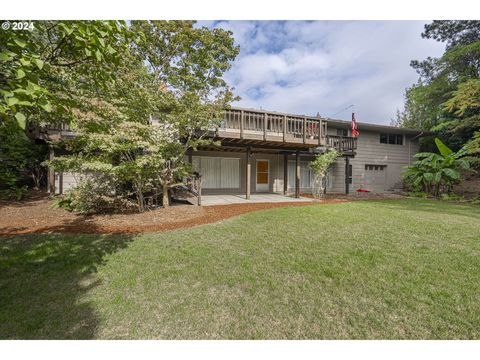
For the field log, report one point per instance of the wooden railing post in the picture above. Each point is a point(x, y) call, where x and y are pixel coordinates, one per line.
point(284, 127)
point(304, 129)
point(265, 126)
point(242, 120)
point(319, 132)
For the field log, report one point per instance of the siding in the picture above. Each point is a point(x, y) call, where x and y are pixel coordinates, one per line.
point(371, 151)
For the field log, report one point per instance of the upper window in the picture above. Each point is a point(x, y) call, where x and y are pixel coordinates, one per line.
point(394, 139)
point(342, 132)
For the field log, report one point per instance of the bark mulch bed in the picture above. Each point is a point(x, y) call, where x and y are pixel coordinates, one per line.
point(36, 215)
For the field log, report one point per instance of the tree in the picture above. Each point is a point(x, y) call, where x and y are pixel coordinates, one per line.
point(429, 103)
point(43, 67)
point(320, 166)
point(433, 173)
point(174, 73)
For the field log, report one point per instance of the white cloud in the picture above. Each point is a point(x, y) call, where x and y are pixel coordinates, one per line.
point(324, 66)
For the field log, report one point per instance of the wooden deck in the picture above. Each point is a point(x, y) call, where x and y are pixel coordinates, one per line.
point(279, 128)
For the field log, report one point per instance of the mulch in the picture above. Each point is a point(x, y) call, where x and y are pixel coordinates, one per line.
point(35, 215)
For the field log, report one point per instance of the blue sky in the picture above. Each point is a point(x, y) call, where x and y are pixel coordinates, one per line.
point(324, 66)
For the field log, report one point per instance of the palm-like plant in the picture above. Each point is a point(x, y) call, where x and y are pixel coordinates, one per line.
point(433, 172)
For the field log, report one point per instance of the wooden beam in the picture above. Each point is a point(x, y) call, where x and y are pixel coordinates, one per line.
point(60, 183)
point(248, 173)
point(347, 182)
point(51, 171)
point(297, 174)
point(285, 173)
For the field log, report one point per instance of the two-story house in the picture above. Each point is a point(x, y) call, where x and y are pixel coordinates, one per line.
point(269, 152)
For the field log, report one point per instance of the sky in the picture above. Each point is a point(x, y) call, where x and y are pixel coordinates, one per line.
point(305, 67)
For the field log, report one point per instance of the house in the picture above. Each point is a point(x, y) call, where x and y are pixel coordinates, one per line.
point(266, 151)
point(269, 152)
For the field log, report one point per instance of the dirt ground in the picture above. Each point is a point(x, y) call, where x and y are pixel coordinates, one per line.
point(35, 214)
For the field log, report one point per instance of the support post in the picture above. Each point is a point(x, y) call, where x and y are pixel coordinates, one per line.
point(248, 172)
point(285, 173)
point(297, 174)
point(199, 191)
point(60, 183)
point(51, 171)
point(347, 175)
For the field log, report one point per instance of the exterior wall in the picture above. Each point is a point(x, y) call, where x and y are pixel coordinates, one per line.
point(276, 163)
point(70, 180)
point(371, 152)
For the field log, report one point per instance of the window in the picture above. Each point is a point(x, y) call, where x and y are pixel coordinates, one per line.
point(394, 139)
point(350, 173)
point(218, 173)
point(342, 132)
point(306, 175)
point(375, 167)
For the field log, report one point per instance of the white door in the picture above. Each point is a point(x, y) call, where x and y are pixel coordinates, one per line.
point(263, 176)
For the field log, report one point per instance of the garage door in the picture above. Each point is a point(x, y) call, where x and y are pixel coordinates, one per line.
point(375, 177)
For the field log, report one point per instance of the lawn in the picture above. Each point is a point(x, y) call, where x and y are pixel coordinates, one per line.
point(360, 270)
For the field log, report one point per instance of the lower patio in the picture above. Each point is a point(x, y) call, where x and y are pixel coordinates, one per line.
point(208, 200)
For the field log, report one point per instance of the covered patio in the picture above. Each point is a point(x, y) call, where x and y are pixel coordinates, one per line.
point(208, 200)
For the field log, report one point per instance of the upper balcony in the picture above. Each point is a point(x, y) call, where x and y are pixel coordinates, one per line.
point(343, 144)
point(273, 127)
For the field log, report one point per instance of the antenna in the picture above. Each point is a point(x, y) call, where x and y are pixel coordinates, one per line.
point(348, 107)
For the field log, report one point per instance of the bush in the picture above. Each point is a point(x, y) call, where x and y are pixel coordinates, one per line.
point(20, 158)
point(95, 194)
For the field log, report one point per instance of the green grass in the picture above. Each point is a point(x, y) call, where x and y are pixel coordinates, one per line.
point(388, 269)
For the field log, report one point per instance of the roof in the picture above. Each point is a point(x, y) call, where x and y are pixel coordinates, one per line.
point(347, 124)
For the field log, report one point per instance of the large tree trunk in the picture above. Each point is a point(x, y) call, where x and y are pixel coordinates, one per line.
point(165, 197)
point(141, 207)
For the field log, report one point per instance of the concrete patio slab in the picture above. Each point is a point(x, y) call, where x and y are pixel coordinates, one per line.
point(208, 200)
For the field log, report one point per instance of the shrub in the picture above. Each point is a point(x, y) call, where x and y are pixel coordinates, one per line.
point(95, 194)
point(434, 173)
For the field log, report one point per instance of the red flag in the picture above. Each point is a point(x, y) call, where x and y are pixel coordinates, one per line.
point(354, 126)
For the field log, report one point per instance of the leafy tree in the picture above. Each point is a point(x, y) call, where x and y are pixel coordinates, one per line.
point(43, 67)
point(173, 75)
point(432, 103)
point(320, 166)
point(433, 172)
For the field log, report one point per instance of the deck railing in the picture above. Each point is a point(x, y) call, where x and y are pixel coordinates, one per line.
point(343, 144)
point(258, 125)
